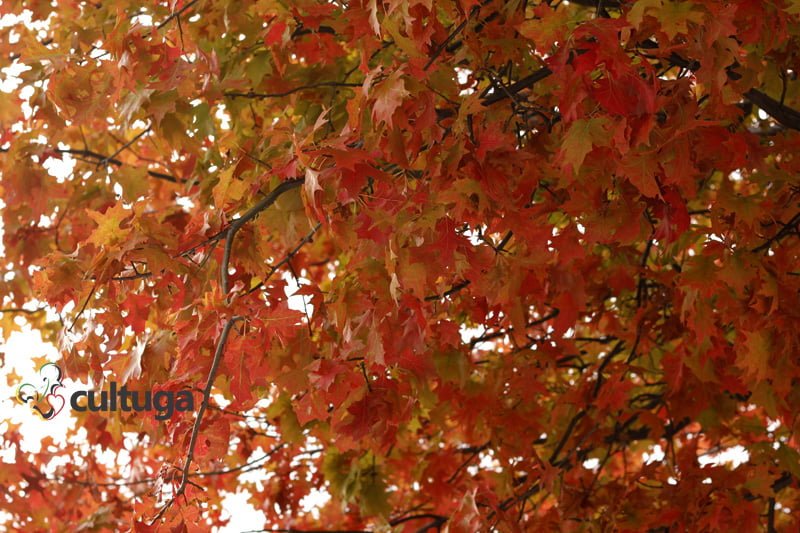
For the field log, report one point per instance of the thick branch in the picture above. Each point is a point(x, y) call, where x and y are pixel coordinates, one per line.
point(251, 213)
point(230, 233)
point(525, 83)
point(212, 374)
point(565, 437)
point(783, 114)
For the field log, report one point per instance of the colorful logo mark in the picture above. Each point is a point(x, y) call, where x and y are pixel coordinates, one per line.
point(43, 399)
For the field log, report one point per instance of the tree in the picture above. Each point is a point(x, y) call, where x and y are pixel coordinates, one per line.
point(464, 266)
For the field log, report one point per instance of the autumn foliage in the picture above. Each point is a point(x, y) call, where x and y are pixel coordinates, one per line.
point(459, 265)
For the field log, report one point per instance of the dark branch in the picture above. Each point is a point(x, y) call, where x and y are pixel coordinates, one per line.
point(22, 310)
point(101, 159)
point(212, 374)
point(783, 114)
point(288, 257)
point(178, 13)
point(122, 148)
point(251, 213)
point(251, 94)
point(525, 83)
point(787, 228)
point(502, 332)
point(452, 290)
point(439, 49)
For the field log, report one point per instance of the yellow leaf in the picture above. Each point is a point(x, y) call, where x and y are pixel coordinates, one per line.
point(109, 230)
point(134, 182)
point(228, 189)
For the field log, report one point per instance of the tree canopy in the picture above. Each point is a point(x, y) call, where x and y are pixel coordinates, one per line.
point(429, 264)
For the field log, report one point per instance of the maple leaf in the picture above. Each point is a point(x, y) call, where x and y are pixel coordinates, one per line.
point(109, 230)
point(754, 355)
point(275, 33)
point(311, 183)
point(373, 17)
point(388, 95)
point(581, 137)
point(396, 251)
point(672, 15)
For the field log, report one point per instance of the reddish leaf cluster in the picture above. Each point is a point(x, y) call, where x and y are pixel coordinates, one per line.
point(463, 265)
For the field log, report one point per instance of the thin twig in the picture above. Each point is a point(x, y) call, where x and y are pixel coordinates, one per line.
point(116, 162)
point(105, 160)
point(452, 290)
point(439, 49)
point(489, 336)
point(22, 310)
point(287, 258)
point(474, 452)
point(251, 94)
point(83, 307)
point(784, 231)
point(175, 14)
point(565, 437)
point(245, 467)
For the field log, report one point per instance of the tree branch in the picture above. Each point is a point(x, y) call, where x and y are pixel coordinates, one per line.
point(230, 233)
point(212, 374)
point(251, 94)
point(525, 83)
point(771, 516)
point(101, 159)
point(251, 213)
point(452, 290)
point(439, 49)
point(783, 114)
point(244, 467)
point(565, 437)
point(178, 13)
point(122, 148)
point(22, 310)
point(305, 240)
point(489, 336)
point(292, 530)
point(784, 231)
point(83, 307)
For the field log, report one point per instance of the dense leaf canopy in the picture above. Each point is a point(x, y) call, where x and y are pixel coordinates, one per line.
point(459, 265)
